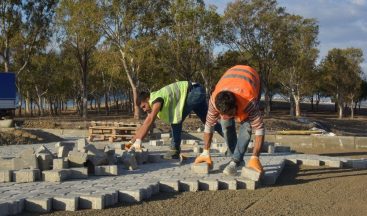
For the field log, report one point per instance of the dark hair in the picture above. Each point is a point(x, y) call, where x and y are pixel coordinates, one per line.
point(225, 102)
point(142, 97)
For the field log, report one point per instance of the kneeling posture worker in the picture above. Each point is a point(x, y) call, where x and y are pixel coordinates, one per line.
point(235, 97)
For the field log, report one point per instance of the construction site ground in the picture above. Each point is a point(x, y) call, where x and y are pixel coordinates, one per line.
point(299, 190)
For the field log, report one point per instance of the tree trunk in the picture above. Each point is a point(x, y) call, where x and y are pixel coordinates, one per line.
point(107, 109)
point(297, 106)
point(291, 106)
point(340, 108)
point(312, 103)
point(352, 109)
point(133, 84)
point(267, 101)
point(27, 103)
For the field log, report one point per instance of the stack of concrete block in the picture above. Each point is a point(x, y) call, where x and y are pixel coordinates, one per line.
point(63, 148)
point(44, 157)
point(26, 175)
point(6, 163)
point(6, 176)
point(110, 153)
point(60, 163)
point(156, 142)
point(59, 175)
point(129, 161)
point(95, 156)
point(141, 156)
point(77, 159)
point(107, 170)
point(25, 160)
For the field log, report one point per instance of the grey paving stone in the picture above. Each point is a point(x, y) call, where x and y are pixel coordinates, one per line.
point(208, 184)
point(55, 175)
point(200, 168)
point(130, 196)
point(227, 183)
point(78, 173)
point(65, 203)
point(169, 186)
point(38, 204)
point(92, 201)
point(250, 174)
point(191, 185)
point(310, 162)
point(24, 175)
point(60, 163)
point(243, 183)
point(333, 163)
point(5, 176)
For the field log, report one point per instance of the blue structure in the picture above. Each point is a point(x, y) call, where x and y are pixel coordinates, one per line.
point(7, 93)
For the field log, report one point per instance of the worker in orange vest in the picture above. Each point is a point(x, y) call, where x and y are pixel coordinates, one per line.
point(236, 97)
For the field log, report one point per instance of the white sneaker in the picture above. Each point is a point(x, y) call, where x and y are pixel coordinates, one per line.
point(231, 169)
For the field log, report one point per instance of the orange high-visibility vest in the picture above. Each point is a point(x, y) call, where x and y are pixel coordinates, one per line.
point(244, 82)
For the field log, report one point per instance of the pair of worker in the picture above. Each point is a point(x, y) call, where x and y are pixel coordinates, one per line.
point(235, 97)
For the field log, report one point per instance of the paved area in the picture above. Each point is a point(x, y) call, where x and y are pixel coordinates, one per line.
point(98, 192)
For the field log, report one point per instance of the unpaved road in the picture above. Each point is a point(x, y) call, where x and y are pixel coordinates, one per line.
point(298, 191)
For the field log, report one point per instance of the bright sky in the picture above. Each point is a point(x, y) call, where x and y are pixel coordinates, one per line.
point(342, 23)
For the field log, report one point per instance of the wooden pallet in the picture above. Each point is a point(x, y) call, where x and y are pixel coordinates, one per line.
point(112, 133)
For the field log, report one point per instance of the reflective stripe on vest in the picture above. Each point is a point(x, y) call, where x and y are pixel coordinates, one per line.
point(244, 82)
point(241, 77)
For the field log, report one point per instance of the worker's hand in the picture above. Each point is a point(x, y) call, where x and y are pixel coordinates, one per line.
point(128, 145)
point(205, 157)
point(255, 164)
point(136, 145)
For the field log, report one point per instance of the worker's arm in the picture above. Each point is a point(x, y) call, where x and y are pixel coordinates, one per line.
point(143, 130)
point(211, 119)
point(257, 124)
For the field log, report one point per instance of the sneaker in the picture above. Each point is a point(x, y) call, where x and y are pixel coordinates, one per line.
point(230, 169)
point(172, 154)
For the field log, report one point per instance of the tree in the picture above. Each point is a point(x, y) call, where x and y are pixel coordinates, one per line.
point(296, 56)
point(187, 44)
point(342, 75)
point(80, 21)
point(250, 28)
point(126, 25)
point(25, 29)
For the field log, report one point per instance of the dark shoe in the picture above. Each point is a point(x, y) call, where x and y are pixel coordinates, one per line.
point(172, 154)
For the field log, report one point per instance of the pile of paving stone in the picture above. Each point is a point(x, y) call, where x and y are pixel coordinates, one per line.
point(71, 161)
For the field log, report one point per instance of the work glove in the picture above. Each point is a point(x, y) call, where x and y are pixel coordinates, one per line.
point(255, 164)
point(205, 157)
point(133, 146)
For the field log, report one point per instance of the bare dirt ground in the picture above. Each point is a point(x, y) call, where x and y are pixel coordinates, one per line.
point(298, 191)
point(13, 136)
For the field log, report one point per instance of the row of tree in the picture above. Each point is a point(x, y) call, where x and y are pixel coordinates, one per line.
point(104, 50)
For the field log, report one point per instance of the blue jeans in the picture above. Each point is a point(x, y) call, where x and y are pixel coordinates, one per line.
point(195, 101)
point(237, 146)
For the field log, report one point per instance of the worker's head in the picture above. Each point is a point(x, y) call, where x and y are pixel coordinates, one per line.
point(143, 101)
point(225, 102)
